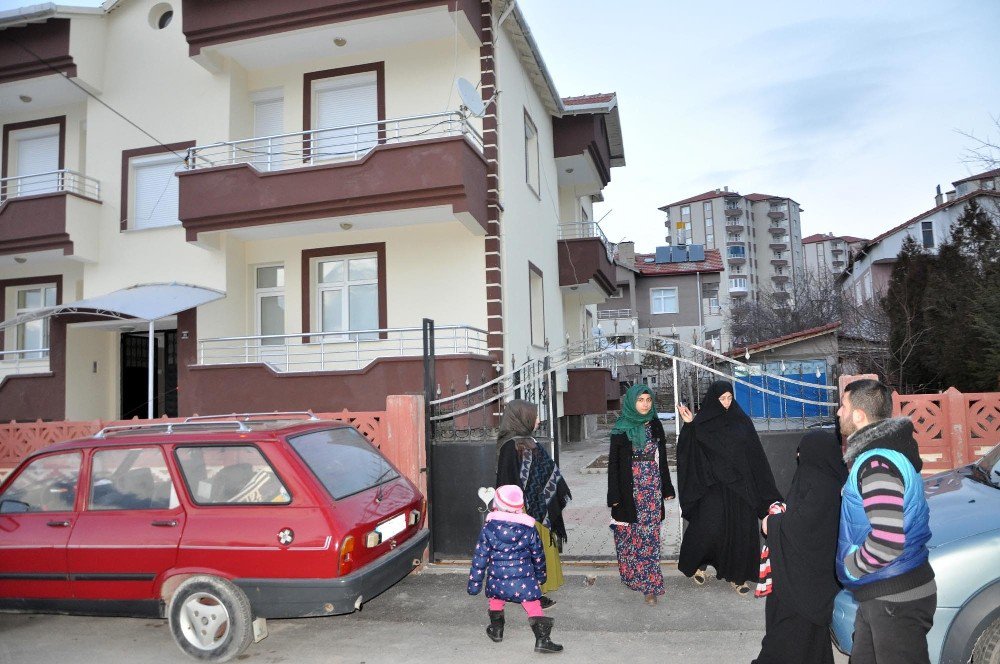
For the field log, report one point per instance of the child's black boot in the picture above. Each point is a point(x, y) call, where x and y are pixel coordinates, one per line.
point(542, 627)
point(495, 630)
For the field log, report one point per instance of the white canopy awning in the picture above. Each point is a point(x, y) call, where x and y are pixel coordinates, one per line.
point(147, 302)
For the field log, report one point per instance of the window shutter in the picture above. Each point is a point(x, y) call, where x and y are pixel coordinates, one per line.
point(345, 101)
point(154, 195)
point(38, 155)
point(269, 117)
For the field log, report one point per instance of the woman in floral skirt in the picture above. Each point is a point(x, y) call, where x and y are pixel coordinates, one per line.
point(638, 483)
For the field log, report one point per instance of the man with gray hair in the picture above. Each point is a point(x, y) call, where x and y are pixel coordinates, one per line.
point(882, 548)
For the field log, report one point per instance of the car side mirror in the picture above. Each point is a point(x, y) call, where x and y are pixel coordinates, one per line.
point(13, 507)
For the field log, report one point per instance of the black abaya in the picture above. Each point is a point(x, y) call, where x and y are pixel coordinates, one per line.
point(803, 543)
point(725, 485)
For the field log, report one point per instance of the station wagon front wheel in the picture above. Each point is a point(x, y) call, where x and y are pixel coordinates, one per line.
point(210, 619)
point(987, 649)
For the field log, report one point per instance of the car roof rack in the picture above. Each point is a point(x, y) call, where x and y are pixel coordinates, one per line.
point(168, 427)
point(254, 417)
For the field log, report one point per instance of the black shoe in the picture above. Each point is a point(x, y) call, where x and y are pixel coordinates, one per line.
point(546, 601)
point(542, 627)
point(495, 630)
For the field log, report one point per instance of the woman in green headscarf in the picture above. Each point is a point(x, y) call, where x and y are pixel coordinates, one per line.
point(638, 483)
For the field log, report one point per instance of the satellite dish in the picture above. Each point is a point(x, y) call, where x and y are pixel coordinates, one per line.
point(471, 99)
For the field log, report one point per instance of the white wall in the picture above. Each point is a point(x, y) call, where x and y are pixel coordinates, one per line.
point(90, 393)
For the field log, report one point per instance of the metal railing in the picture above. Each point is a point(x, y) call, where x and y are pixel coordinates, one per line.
point(338, 351)
point(50, 182)
point(578, 230)
point(608, 314)
point(25, 361)
point(319, 146)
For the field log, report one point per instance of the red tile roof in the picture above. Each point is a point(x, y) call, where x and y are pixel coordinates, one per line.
point(756, 198)
point(982, 176)
point(712, 263)
point(707, 196)
point(599, 98)
point(783, 340)
point(820, 237)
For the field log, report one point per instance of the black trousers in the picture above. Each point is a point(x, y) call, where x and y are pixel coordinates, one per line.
point(893, 632)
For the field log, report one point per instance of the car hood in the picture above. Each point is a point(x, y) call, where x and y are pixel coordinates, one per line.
point(960, 506)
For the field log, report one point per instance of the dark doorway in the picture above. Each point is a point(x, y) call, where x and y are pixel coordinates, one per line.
point(134, 363)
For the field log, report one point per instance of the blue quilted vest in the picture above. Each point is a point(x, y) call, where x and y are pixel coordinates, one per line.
point(854, 525)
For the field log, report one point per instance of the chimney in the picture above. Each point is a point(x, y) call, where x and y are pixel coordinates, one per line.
point(726, 188)
point(949, 196)
point(938, 198)
point(626, 252)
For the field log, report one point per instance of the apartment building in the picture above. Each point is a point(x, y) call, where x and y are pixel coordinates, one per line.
point(869, 275)
point(673, 293)
point(305, 184)
point(759, 236)
point(826, 255)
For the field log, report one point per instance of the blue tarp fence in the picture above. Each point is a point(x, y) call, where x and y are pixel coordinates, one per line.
point(757, 403)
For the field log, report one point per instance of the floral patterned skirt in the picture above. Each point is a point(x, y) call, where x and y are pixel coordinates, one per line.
point(638, 544)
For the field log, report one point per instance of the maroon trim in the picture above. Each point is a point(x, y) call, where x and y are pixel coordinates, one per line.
point(583, 259)
point(34, 223)
point(59, 120)
point(532, 268)
point(127, 155)
point(57, 279)
point(222, 21)
point(35, 50)
point(307, 86)
point(378, 248)
point(584, 134)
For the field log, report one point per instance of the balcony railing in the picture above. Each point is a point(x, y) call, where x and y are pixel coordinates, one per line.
point(49, 183)
point(322, 146)
point(579, 230)
point(21, 362)
point(338, 351)
point(611, 314)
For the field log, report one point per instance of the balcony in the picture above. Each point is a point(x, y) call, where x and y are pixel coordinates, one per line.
point(23, 362)
point(54, 212)
point(615, 322)
point(838, 264)
point(780, 278)
point(410, 170)
point(733, 226)
point(738, 289)
point(733, 211)
point(836, 252)
point(583, 153)
point(779, 262)
point(586, 263)
point(778, 245)
point(777, 212)
point(777, 230)
point(736, 255)
point(734, 241)
point(782, 295)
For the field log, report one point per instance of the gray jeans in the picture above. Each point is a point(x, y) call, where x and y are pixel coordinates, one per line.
point(893, 632)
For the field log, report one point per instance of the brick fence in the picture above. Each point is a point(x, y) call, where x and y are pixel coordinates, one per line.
point(397, 431)
point(952, 428)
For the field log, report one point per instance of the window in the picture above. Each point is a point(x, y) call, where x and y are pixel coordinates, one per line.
point(34, 155)
point(154, 200)
point(928, 232)
point(737, 252)
point(684, 225)
point(536, 304)
point(531, 169)
point(663, 300)
point(47, 484)
point(269, 302)
point(230, 475)
point(709, 225)
point(268, 121)
point(131, 479)
point(347, 294)
point(343, 461)
point(344, 115)
point(739, 283)
point(33, 336)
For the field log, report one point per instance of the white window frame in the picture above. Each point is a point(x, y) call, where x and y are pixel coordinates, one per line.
point(655, 293)
point(266, 151)
point(15, 292)
point(319, 288)
point(709, 225)
point(532, 164)
point(331, 144)
point(925, 228)
point(739, 282)
point(536, 305)
point(259, 294)
point(135, 164)
point(29, 184)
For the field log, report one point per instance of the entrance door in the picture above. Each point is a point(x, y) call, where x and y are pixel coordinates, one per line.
point(135, 376)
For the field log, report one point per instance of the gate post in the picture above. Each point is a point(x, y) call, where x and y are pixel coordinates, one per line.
point(429, 382)
point(553, 413)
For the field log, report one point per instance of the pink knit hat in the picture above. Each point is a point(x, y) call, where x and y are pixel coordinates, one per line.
point(508, 498)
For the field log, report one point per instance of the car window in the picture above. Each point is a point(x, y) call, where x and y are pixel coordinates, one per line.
point(343, 460)
point(47, 484)
point(990, 465)
point(132, 479)
point(230, 474)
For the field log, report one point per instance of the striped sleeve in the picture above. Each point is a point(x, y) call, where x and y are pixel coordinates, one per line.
point(881, 485)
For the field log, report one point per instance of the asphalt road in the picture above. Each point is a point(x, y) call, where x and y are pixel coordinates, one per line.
point(429, 618)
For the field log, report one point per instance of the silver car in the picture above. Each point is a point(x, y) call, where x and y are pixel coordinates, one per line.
point(965, 553)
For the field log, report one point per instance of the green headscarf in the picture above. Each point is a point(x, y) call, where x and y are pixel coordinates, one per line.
point(631, 422)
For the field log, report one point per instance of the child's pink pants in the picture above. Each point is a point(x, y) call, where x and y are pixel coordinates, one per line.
point(532, 607)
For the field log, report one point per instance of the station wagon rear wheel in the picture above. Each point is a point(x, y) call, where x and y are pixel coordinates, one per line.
point(210, 619)
point(987, 650)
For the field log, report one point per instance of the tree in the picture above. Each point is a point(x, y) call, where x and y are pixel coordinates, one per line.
point(985, 152)
point(904, 307)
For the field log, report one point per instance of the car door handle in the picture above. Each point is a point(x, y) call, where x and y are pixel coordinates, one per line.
point(58, 524)
point(169, 523)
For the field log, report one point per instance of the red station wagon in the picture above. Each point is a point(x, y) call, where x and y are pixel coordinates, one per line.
point(215, 524)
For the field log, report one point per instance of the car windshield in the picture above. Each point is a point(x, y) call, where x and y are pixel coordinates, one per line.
point(989, 467)
point(343, 460)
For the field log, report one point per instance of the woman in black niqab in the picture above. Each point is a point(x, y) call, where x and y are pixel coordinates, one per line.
point(724, 486)
point(803, 544)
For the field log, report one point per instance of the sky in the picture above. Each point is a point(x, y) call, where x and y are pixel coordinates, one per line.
point(854, 109)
